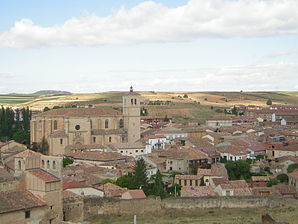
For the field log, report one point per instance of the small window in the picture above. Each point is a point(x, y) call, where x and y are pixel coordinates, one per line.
point(137, 150)
point(142, 150)
point(54, 165)
point(185, 183)
point(91, 124)
point(197, 183)
point(55, 124)
point(61, 141)
point(94, 139)
point(131, 101)
point(27, 214)
point(42, 163)
point(121, 123)
point(48, 164)
point(121, 151)
point(179, 182)
point(77, 127)
point(106, 123)
point(190, 182)
point(110, 139)
point(135, 101)
point(19, 164)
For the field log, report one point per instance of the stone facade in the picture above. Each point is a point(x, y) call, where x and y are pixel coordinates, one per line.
point(86, 126)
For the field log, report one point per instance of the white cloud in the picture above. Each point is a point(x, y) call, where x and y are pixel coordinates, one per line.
point(154, 22)
point(6, 76)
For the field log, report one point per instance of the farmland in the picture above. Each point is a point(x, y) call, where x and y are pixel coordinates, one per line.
point(183, 106)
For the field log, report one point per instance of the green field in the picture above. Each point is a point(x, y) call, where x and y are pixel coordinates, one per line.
point(205, 216)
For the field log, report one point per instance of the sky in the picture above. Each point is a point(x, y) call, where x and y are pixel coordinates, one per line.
point(87, 46)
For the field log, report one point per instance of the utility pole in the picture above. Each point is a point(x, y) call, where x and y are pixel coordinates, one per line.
point(135, 219)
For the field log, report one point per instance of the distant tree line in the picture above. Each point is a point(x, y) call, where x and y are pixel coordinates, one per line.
point(15, 125)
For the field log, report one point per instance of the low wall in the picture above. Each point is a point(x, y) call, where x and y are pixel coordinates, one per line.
point(224, 202)
point(80, 209)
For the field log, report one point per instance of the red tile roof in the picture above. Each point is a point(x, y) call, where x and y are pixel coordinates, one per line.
point(294, 175)
point(11, 201)
point(27, 153)
point(69, 183)
point(201, 191)
point(137, 194)
point(43, 175)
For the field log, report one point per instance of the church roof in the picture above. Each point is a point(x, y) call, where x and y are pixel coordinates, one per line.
point(81, 112)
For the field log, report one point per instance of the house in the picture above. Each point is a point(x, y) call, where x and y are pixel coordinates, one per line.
point(130, 149)
point(80, 189)
point(288, 150)
point(112, 190)
point(199, 191)
point(155, 142)
point(133, 194)
point(259, 181)
point(22, 206)
point(233, 188)
point(293, 179)
point(219, 122)
point(217, 170)
point(188, 180)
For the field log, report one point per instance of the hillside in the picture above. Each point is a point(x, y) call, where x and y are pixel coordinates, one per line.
point(183, 106)
point(54, 92)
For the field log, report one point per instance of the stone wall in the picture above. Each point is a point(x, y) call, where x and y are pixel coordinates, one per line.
point(80, 209)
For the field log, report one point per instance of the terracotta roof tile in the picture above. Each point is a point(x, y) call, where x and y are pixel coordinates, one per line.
point(45, 176)
point(18, 200)
point(137, 194)
point(201, 191)
point(27, 153)
point(70, 183)
point(294, 175)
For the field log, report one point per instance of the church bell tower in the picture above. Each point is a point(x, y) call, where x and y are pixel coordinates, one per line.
point(131, 112)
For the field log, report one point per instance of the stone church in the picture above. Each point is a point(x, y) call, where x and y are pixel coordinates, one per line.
point(86, 126)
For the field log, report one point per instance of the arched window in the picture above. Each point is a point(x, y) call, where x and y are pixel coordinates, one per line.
point(55, 124)
point(131, 101)
point(48, 164)
point(42, 163)
point(106, 123)
point(19, 165)
point(110, 139)
point(135, 101)
point(54, 165)
point(121, 123)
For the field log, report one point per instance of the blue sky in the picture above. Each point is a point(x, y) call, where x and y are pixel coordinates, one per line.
point(195, 45)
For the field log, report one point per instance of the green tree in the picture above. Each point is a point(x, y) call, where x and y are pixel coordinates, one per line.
point(234, 111)
point(67, 161)
point(238, 170)
point(269, 102)
point(292, 167)
point(20, 136)
point(126, 181)
point(46, 109)
point(282, 178)
point(185, 96)
point(108, 181)
point(272, 182)
point(158, 186)
point(174, 190)
point(140, 174)
point(43, 146)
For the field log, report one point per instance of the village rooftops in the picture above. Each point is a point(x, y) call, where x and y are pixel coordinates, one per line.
point(80, 112)
point(43, 175)
point(135, 145)
point(11, 201)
